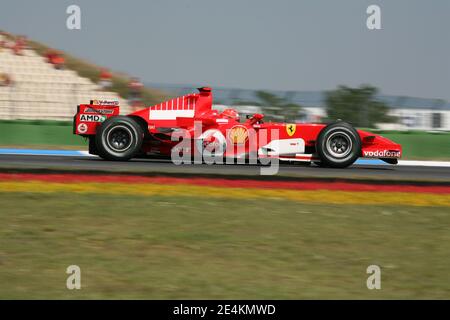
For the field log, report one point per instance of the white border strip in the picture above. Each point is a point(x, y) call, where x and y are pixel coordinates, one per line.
point(424, 163)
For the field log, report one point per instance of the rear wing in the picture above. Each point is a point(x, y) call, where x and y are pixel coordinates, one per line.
point(90, 116)
point(177, 112)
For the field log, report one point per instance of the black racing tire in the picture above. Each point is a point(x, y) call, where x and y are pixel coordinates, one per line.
point(119, 138)
point(338, 145)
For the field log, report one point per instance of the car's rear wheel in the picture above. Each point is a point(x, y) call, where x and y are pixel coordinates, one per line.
point(119, 138)
point(338, 145)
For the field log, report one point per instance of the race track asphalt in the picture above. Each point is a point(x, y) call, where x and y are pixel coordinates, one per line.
point(286, 171)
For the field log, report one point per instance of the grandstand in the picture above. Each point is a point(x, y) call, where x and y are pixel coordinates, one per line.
point(39, 91)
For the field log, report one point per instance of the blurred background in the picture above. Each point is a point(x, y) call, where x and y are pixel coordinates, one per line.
point(294, 61)
point(297, 61)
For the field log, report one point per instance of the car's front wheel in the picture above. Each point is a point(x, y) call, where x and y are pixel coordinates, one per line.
point(338, 145)
point(119, 138)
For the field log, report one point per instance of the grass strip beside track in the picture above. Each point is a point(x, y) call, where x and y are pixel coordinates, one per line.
point(159, 247)
point(55, 134)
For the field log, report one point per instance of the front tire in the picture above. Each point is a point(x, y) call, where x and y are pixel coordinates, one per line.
point(338, 145)
point(119, 138)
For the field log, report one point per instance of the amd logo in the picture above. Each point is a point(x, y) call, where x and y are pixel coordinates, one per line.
point(92, 118)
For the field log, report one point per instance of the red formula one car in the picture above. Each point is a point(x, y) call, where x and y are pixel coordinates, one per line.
point(187, 126)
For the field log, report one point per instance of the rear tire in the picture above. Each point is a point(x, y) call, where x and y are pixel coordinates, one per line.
point(119, 138)
point(338, 145)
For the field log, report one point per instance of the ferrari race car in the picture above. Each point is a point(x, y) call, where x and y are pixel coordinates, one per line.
point(188, 127)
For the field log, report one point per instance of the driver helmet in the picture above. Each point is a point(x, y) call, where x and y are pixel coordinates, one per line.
point(231, 114)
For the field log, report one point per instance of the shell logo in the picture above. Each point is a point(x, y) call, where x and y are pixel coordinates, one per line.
point(238, 134)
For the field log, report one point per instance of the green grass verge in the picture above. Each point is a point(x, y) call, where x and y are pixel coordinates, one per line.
point(188, 248)
point(42, 134)
point(423, 145)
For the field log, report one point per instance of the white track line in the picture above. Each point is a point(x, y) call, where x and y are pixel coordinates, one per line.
point(424, 163)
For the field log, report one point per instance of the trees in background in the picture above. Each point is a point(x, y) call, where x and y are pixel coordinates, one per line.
point(275, 107)
point(358, 106)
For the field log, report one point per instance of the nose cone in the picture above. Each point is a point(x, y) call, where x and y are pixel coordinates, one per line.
point(376, 146)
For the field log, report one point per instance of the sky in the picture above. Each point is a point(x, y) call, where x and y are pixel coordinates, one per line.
point(253, 44)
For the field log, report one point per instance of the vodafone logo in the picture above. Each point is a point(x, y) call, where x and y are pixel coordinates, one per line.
point(105, 102)
point(381, 154)
point(82, 128)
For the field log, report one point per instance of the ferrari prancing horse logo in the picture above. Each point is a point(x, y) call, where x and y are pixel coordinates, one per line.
point(290, 129)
